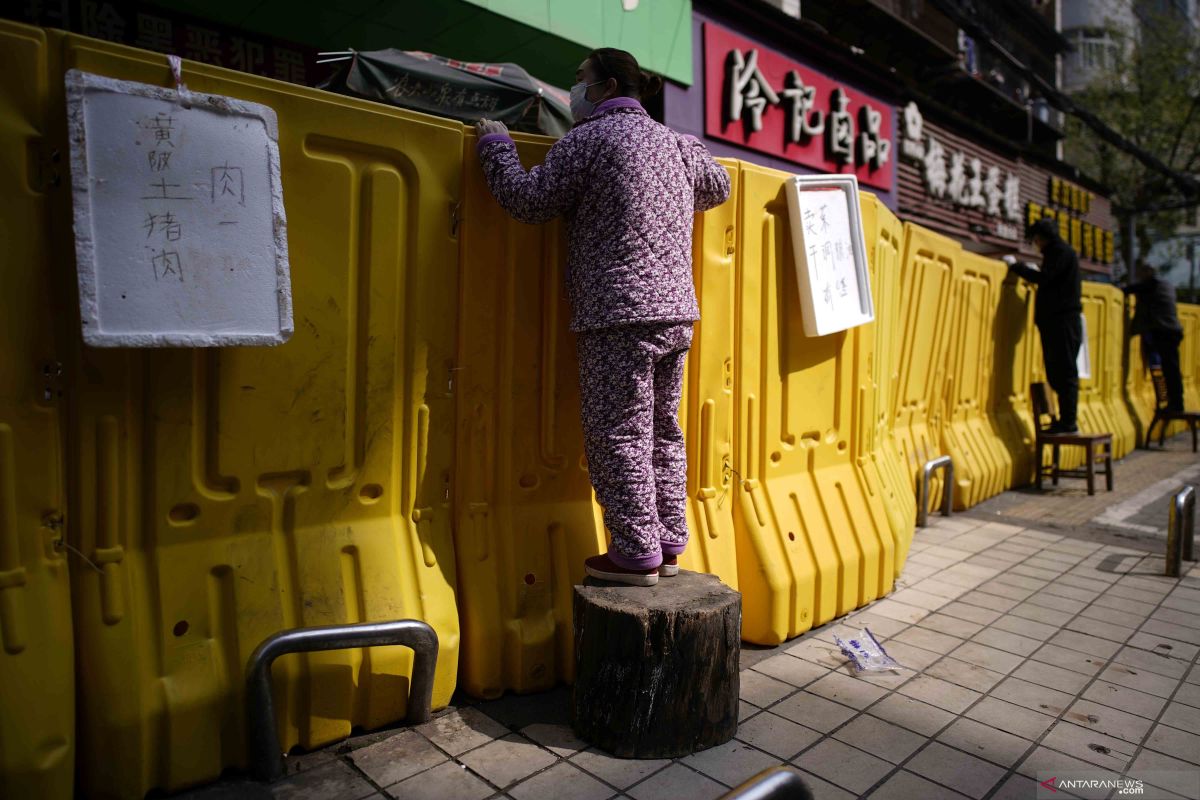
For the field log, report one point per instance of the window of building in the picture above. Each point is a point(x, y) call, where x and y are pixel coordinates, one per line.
point(1093, 50)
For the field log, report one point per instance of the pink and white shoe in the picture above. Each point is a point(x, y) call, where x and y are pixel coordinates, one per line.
point(603, 568)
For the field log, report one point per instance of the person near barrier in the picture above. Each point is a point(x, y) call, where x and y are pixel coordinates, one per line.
point(628, 188)
point(1156, 321)
point(1056, 314)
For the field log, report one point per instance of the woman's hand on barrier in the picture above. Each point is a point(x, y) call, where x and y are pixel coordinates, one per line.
point(486, 126)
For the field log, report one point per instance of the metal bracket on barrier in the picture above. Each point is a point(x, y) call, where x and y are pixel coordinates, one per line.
point(1181, 530)
point(266, 758)
point(943, 463)
point(776, 783)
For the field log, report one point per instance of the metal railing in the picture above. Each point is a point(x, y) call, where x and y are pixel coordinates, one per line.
point(1181, 530)
point(776, 783)
point(266, 758)
point(946, 464)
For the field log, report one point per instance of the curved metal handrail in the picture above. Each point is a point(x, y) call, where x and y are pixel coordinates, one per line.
point(943, 463)
point(776, 783)
point(1181, 530)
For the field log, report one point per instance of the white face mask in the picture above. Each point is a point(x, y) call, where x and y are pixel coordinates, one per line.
point(581, 107)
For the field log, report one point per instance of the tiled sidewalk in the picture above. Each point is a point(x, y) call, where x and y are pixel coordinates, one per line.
point(1023, 651)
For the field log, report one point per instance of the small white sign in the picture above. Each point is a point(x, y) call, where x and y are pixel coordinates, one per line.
point(180, 232)
point(830, 253)
point(1083, 361)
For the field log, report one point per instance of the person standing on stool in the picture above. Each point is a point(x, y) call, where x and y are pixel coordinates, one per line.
point(1156, 321)
point(629, 188)
point(1056, 314)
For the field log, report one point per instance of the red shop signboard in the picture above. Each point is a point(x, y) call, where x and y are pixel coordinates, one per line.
point(757, 98)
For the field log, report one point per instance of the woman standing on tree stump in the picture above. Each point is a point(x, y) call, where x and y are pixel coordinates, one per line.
point(629, 188)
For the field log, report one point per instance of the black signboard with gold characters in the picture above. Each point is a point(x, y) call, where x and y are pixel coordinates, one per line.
point(1068, 205)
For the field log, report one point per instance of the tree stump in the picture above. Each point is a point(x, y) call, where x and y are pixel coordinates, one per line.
point(656, 667)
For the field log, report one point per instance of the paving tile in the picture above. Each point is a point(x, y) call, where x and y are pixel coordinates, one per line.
point(1142, 680)
point(898, 611)
point(790, 669)
point(1133, 593)
point(1017, 787)
point(1090, 746)
point(814, 712)
point(397, 757)
point(558, 739)
point(762, 690)
point(1113, 615)
point(1085, 644)
point(1007, 641)
point(939, 587)
point(818, 652)
point(1070, 659)
point(1012, 718)
point(619, 772)
point(906, 655)
point(1014, 578)
point(905, 786)
point(1183, 717)
point(880, 626)
point(911, 714)
point(745, 711)
point(949, 767)
point(1125, 699)
point(563, 781)
point(1072, 592)
point(939, 693)
point(444, 781)
point(462, 729)
point(992, 602)
point(1048, 762)
point(844, 766)
point(1031, 696)
point(730, 763)
point(1124, 604)
point(1048, 616)
point(778, 736)
point(971, 613)
point(823, 789)
point(987, 657)
point(1108, 721)
point(335, 780)
point(1100, 628)
point(1188, 693)
point(677, 781)
point(1025, 628)
point(1056, 603)
point(1174, 742)
point(928, 640)
point(999, 588)
point(1172, 631)
point(914, 597)
point(1064, 680)
point(1082, 582)
point(985, 741)
point(953, 626)
point(1163, 646)
point(961, 673)
point(508, 760)
point(1176, 617)
point(846, 690)
point(1166, 772)
point(880, 739)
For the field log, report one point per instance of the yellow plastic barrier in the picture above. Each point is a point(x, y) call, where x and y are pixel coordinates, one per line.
point(1139, 390)
point(1094, 415)
point(812, 544)
point(968, 435)
point(1189, 357)
point(228, 494)
point(926, 305)
point(879, 347)
point(1015, 355)
point(1111, 370)
point(37, 662)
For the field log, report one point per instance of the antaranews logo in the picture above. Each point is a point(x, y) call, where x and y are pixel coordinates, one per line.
point(1049, 784)
point(1120, 787)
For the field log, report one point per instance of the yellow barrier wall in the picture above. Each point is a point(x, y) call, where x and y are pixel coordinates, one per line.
point(926, 307)
point(1112, 375)
point(1139, 390)
point(37, 663)
point(811, 543)
point(879, 346)
point(228, 494)
point(1189, 357)
point(1016, 351)
point(980, 463)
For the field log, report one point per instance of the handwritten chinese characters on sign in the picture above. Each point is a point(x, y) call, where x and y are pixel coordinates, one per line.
point(830, 255)
point(180, 230)
point(757, 98)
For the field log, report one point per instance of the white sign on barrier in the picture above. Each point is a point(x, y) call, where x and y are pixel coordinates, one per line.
point(1083, 361)
point(180, 232)
point(830, 253)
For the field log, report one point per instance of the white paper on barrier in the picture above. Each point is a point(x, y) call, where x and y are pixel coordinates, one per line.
point(1084, 360)
point(830, 253)
point(180, 230)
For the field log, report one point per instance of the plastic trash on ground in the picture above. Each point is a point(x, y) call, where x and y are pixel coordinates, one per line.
point(866, 652)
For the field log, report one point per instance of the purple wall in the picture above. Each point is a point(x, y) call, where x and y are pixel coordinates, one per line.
point(683, 110)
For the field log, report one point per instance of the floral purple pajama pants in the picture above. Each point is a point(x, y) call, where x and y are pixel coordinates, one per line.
point(630, 381)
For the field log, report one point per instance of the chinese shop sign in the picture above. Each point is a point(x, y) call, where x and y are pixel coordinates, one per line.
point(180, 236)
point(958, 178)
point(1067, 205)
point(757, 98)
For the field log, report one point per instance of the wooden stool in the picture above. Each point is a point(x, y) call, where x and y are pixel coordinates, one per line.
point(656, 667)
point(1162, 415)
point(1098, 447)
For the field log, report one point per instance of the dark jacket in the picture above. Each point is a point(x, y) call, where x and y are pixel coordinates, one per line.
point(1058, 282)
point(1155, 309)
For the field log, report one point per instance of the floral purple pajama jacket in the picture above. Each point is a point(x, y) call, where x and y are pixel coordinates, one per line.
point(629, 188)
